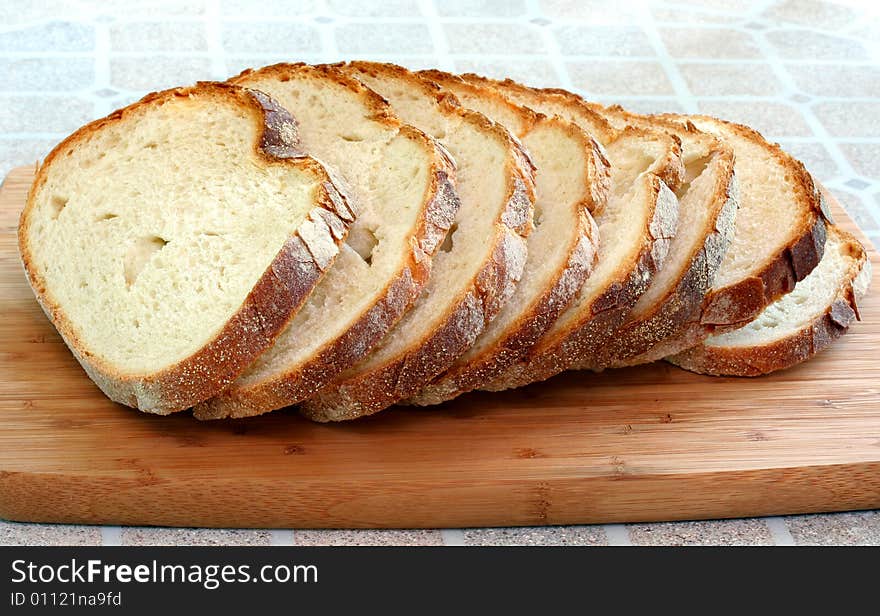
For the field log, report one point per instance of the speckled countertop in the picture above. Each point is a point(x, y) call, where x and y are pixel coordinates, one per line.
point(805, 73)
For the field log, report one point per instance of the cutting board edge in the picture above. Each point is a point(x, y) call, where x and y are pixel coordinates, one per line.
point(35, 497)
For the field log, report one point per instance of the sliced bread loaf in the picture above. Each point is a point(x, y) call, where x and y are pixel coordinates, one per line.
point(172, 241)
point(635, 228)
point(707, 209)
point(571, 179)
point(477, 268)
point(778, 237)
point(795, 327)
point(402, 182)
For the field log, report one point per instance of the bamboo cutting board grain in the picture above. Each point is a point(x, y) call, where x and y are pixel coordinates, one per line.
point(648, 443)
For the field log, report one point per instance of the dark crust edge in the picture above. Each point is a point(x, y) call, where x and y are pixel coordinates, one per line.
point(273, 301)
point(792, 349)
point(544, 309)
point(401, 290)
point(366, 393)
point(732, 306)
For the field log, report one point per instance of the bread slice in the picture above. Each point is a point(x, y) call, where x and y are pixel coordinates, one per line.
point(172, 241)
point(635, 228)
point(571, 180)
point(402, 182)
point(475, 272)
point(778, 238)
point(707, 209)
point(795, 327)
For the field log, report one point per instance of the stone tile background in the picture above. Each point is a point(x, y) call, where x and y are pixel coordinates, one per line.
point(804, 72)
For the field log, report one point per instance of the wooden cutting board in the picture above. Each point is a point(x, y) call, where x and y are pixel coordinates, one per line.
point(648, 443)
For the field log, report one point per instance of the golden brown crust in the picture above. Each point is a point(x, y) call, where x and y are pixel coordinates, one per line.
point(272, 302)
point(452, 82)
point(439, 208)
point(366, 392)
point(283, 71)
point(792, 349)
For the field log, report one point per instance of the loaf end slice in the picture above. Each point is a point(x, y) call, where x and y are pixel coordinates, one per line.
point(171, 242)
point(802, 323)
point(403, 182)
